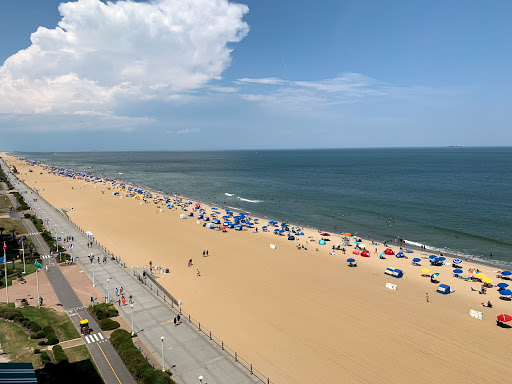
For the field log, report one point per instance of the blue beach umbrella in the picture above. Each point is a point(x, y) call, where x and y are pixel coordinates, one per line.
point(351, 260)
point(458, 271)
point(441, 258)
point(264, 227)
point(506, 292)
point(276, 230)
point(400, 255)
point(283, 224)
point(502, 285)
point(434, 275)
point(416, 260)
point(457, 261)
point(432, 257)
point(506, 273)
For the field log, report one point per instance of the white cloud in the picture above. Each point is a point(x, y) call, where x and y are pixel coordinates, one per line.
point(101, 53)
point(187, 131)
point(314, 95)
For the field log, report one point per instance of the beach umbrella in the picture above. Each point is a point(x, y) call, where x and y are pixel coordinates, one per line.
point(434, 275)
point(276, 230)
point(487, 280)
point(346, 234)
point(283, 224)
point(506, 292)
point(351, 260)
point(441, 258)
point(457, 261)
point(416, 260)
point(325, 234)
point(197, 204)
point(365, 254)
point(458, 271)
point(264, 227)
point(389, 251)
point(503, 317)
point(481, 276)
point(506, 273)
point(399, 255)
point(432, 257)
point(425, 271)
point(502, 285)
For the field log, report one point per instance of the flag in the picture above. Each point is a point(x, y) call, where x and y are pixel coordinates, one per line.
point(1, 259)
point(38, 265)
point(70, 246)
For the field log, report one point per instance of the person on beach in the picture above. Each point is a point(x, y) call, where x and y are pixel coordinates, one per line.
point(198, 273)
point(190, 263)
point(428, 300)
point(204, 253)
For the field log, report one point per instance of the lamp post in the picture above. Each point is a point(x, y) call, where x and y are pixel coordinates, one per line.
point(131, 307)
point(5, 269)
point(93, 283)
point(108, 292)
point(23, 252)
point(163, 360)
point(200, 379)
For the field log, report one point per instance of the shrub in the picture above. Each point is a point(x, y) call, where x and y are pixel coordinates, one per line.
point(108, 324)
point(131, 356)
point(36, 351)
point(49, 333)
point(104, 310)
point(45, 357)
point(33, 326)
point(27, 215)
point(37, 335)
point(119, 337)
point(42, 342)
point(153, 376)
point(59, 354)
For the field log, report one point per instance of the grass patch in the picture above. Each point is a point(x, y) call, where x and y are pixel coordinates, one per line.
point(10, 224)
point(60, 321)
point(14, 274)
point(17, 345)
point(78, 353)
point(5, 203)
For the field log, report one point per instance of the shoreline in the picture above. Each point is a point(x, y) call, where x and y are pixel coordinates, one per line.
point(301, 316)
point(411, 244)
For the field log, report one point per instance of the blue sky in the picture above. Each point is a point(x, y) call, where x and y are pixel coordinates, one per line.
point(213, 74)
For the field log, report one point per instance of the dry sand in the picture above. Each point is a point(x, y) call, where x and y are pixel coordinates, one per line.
point(300, 316)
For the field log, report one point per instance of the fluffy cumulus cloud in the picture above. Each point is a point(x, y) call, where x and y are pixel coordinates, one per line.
point(103, 53)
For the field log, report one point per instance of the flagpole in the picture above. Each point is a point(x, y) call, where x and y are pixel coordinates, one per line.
point(6, 281)
point(37, 282)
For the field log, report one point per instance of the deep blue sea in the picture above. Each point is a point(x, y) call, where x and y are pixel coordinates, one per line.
point(455, 199)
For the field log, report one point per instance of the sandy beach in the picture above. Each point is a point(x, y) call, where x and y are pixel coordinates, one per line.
point(300, 316)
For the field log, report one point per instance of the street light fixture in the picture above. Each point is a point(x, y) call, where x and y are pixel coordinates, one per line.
point(93, 283)
point(131, 307)
point(163, 360)
point(200, 379)
point(108, 292)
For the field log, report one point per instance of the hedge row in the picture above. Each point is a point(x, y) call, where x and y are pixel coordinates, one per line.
point(45, 357)
point(59, 354)
point(17, 316)
point(108, 324)
point(49, 333)
point(23, 206)
point(135, 361)
point(104, 310)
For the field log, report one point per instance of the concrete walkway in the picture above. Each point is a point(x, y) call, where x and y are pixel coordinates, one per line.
point(189, 352)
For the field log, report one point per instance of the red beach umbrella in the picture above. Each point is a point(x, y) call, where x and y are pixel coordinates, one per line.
point(365, 254)
point(198, 204)
point(325, 234)
point(389, 251)
point(504, 318)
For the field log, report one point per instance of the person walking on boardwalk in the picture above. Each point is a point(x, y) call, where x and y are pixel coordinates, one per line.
point(175, 321)
point(178, 318)
point(123, 300)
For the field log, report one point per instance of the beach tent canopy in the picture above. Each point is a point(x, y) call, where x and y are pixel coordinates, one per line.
point(443, 289)
point(394, 272)
point(389, 251)
point(365, 254)
point(321, 242)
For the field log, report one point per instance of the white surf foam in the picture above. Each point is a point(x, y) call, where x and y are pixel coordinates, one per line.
point(229, 194)
point(249, 201)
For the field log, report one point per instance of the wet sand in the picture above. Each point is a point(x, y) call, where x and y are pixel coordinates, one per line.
point(300, 316)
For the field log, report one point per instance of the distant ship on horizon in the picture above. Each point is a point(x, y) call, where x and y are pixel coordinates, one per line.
point(455, 146)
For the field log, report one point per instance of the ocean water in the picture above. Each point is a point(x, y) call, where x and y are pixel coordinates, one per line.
point(458, 200)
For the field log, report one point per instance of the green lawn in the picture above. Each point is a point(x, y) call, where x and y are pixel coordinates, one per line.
point(17, 345)
point(18, 268)
point(9, 224)
point(60, 321)
point(5, 203)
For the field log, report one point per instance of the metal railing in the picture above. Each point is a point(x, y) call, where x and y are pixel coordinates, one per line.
point(170, 300)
